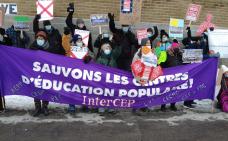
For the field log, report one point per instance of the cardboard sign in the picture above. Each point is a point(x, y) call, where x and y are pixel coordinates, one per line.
point(21, 26)
point(218, 42)
point(205, 25)
point(193, 12)
point(45, 9)
point(21, 23)
point(10, 8)
point(84, 34)
point(141, 34)
point(126, 6)
point(132, 17)
point(78, 52)
point(192, 56)
point(99, 19)
point(145, 73)
point(176, 28)
point(2, 14)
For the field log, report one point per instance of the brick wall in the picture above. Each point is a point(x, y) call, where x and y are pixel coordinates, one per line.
point(156, 11)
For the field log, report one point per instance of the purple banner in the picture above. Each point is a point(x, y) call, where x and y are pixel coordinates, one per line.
point(62, 79)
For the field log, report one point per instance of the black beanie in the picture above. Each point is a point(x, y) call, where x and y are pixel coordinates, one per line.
point(2, 31)
point(47, 22)
point(162, 32)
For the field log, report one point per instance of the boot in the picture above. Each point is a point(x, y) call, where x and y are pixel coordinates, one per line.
point(163, 108)
point(173, 107)
point(1, 104)
point(45, 108)
point(72, 109)
point(37, 111)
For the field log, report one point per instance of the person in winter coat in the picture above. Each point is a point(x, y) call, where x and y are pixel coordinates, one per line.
point(105, 37)
point(20, 38)
point(53, 35)
point(108, 56)
point(151, 35)
point(80, 24)
point(4, 39)
point(166, 45)
point(41, 43)
point(67, 44)
point(126, 40)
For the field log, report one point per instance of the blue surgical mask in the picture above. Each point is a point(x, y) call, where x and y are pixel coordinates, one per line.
point(125, 29)
point(107, 51)
point(105, 35)
point(48, 27)
point(40, 42)
point(149, 35)
point(79, 44)
point(165, 39)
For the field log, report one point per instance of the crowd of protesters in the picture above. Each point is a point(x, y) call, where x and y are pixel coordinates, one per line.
point(116, 48)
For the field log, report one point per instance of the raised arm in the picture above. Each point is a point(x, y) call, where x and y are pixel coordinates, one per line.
point(36, 24)
point(112, 26)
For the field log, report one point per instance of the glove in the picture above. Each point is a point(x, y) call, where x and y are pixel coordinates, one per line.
point(67, 30)
point(211, 28)
point(37, 17)
point(87, 59)
point(70, 8)
point(111, 16)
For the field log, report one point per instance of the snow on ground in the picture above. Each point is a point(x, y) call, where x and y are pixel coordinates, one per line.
point(202, 112)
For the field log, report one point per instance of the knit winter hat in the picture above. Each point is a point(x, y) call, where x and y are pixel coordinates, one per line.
point(47, 22)
point(149, 30)
point(144, 41)
point(80, 21)
point(42, 34)
point(76, 37)
point(2, 31)
point(162, 32)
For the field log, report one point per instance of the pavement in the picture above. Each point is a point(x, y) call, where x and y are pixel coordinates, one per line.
point(184, 125)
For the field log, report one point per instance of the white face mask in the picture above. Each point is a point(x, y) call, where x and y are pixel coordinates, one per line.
point(80, 44)
point(48, 27)
point(107, 51)
point(40, 42)
point(164, 39)
point(81, 26)
point(105, 35)
point(149, 35)
point(1, 38)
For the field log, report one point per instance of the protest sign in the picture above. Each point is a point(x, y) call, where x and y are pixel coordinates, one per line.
point(193, 12)
point(55, 78)
point(218, 42)
point(45, 8)
point(205, 25)
point(129, 17)
point(10, 8)
point(99, 19)
point(192, 56)
point(21, 26)
point(141, 34)
point(85, 35)
point(79, 52)
point(21, 23)
point(2, 15)
point(126, 6)
point(176, 28)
